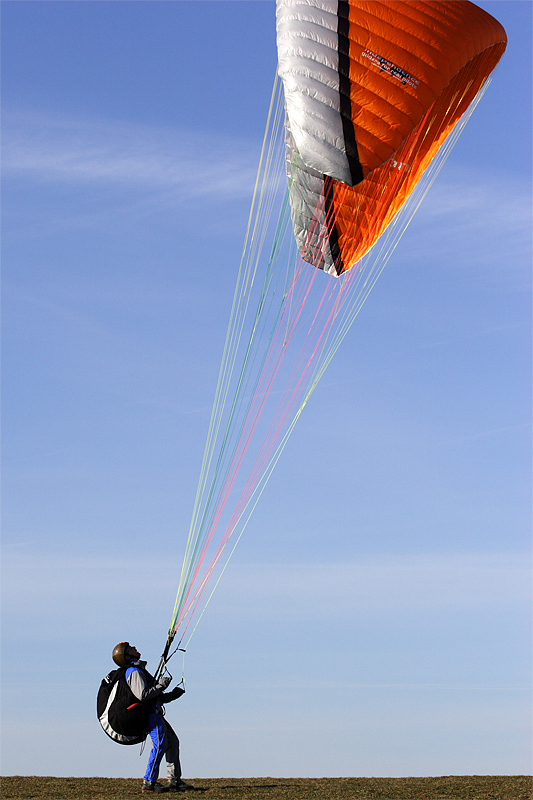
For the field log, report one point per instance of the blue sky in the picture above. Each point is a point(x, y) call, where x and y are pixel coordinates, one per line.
point(375, 619)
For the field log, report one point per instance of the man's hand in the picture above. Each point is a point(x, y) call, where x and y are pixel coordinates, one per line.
point(168, 697)
point(163, 682)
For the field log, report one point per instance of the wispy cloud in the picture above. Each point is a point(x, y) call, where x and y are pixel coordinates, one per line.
point(386, 585)
point(112, 153)
point(472, 200)
point(56, 590)
point(487, 219)
point(475, 222)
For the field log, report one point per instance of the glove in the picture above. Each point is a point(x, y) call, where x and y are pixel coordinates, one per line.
point(163, 682)
point(168, 697)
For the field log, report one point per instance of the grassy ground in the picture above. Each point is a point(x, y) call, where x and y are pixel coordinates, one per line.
point(475, 787)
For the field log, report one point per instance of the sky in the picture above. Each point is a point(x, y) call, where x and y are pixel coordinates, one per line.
point(375, 618)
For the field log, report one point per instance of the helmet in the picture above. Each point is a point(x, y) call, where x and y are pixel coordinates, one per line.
point(119, 654)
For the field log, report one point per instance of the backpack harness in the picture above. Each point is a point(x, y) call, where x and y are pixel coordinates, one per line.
point(122, 715)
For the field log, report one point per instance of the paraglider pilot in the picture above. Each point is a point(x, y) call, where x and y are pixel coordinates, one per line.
point(152, 695)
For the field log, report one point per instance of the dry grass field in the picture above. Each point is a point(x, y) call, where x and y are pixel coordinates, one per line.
point(516, 787)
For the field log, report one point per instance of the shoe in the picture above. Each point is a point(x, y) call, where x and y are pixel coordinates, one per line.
point(180, 786)
point(153, 786)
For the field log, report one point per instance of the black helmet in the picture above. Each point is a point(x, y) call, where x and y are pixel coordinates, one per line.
point(119, 654)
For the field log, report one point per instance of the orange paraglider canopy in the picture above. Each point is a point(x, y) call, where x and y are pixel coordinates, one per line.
point(373, 89)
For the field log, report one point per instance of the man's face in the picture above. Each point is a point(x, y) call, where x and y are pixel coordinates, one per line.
point(132, 653)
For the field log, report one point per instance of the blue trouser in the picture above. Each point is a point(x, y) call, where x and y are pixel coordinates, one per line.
point(164, 742)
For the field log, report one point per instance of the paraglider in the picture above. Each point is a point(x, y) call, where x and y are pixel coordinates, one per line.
point(373, 96)
point(130, 707)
